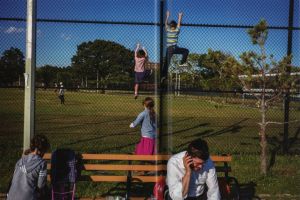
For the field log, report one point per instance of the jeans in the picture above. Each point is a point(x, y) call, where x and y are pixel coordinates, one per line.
point(171, 50)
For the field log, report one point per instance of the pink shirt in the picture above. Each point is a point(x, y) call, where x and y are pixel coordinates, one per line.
point(139, 64)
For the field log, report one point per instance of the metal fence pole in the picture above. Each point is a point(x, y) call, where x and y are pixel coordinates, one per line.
point(161, 62)
point(287, 95)
point(29, 75)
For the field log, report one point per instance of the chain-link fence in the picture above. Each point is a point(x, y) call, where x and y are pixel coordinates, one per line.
point(90, 49)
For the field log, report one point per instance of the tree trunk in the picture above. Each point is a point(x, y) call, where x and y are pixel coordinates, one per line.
point(263, 139)
point(263, 144)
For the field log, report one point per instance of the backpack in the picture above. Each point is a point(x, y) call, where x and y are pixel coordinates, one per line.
point(159, 189)
point(65, 170)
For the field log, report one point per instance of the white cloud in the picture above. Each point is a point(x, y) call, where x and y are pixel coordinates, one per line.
point(65, 37)
point(14, 29)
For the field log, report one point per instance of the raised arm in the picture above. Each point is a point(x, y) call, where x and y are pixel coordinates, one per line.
point(136, 49)
point(167, 19)
point(146, 53)
point(179, 19)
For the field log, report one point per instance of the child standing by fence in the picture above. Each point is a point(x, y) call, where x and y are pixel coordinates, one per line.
point(140, 59)
point(147, 118)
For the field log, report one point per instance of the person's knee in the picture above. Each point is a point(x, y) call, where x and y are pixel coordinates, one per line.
point(187, 51)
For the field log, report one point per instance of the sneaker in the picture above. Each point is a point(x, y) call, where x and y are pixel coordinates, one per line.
point(183, 65)
point(162, 80)
point(135, 96)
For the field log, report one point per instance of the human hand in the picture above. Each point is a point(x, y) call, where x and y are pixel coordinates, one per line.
point(131, 125)
point(181, 14)
point(187, 162)
point(168, 13)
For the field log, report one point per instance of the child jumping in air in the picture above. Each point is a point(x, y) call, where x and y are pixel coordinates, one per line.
point(172, 33)
point(140, 58)
point(147, 118)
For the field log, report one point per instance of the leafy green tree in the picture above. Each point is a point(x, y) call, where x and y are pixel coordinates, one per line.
point(214, 71)
point(258, 70)
point(12, 66)
point(104, 59)
point(47, 74)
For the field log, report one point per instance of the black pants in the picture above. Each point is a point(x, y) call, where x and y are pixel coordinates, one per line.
point(170, 52)
point(201, 197)
point(62, 99)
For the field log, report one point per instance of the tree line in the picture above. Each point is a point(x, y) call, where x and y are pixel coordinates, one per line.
point(100, 63)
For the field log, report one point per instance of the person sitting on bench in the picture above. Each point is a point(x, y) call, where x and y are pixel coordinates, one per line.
point(191, 174)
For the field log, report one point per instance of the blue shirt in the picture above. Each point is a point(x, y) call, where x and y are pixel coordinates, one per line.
point(148, 127)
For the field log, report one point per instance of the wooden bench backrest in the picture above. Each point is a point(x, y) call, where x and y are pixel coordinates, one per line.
point(155, 163)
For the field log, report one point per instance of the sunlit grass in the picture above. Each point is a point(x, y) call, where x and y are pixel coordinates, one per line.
point(98, 123)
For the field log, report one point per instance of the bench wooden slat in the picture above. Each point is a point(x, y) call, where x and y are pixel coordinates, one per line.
point(91, 167)
point(145, 179)
point(119, 157)
point(113, 167)
point(117, 178)
point(138, 157)
point(117, 167)
point(221, 158)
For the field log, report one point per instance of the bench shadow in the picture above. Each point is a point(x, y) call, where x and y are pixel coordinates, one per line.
point(137, 190)
point(247, 191)
point(277, 146)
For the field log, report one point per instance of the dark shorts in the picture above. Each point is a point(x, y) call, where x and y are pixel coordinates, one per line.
point(139, 77)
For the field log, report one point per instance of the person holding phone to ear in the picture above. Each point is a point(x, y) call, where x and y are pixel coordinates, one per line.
point(191, 174)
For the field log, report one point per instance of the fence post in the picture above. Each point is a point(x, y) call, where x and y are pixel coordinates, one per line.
point(29, 75)
point(287, 95)
point(159, 84)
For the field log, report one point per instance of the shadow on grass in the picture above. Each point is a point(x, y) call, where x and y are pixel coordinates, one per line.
point(234, 128)
point(247, 191)
point(277, 144)
point(137, 190)
point(83, 124)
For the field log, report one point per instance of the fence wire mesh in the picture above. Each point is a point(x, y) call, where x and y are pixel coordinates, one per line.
point(99, 103)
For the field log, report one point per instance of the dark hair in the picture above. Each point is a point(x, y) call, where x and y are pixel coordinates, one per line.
point(173, 24)
point(198, 148)
point(141, 53)
point(149, 104)
point(39, 142)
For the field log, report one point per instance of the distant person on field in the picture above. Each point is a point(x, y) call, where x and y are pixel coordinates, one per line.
point(147, 119)
point(61, 93)
point(191, 174)
point(55, 87)
point(30, 175)
point(172, 33)
point(140, 59)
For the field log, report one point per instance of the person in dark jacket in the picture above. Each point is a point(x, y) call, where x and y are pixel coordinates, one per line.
point(30, 175)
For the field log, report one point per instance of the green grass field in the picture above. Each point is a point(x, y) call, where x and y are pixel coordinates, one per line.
point(93, 122)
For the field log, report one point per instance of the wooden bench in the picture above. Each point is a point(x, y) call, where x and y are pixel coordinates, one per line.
point(132, 168)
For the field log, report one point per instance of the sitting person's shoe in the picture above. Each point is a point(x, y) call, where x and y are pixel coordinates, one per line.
point(183, 65)
point(162, 80)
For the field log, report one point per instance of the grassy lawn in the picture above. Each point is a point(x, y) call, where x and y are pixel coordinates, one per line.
point(93, 122)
